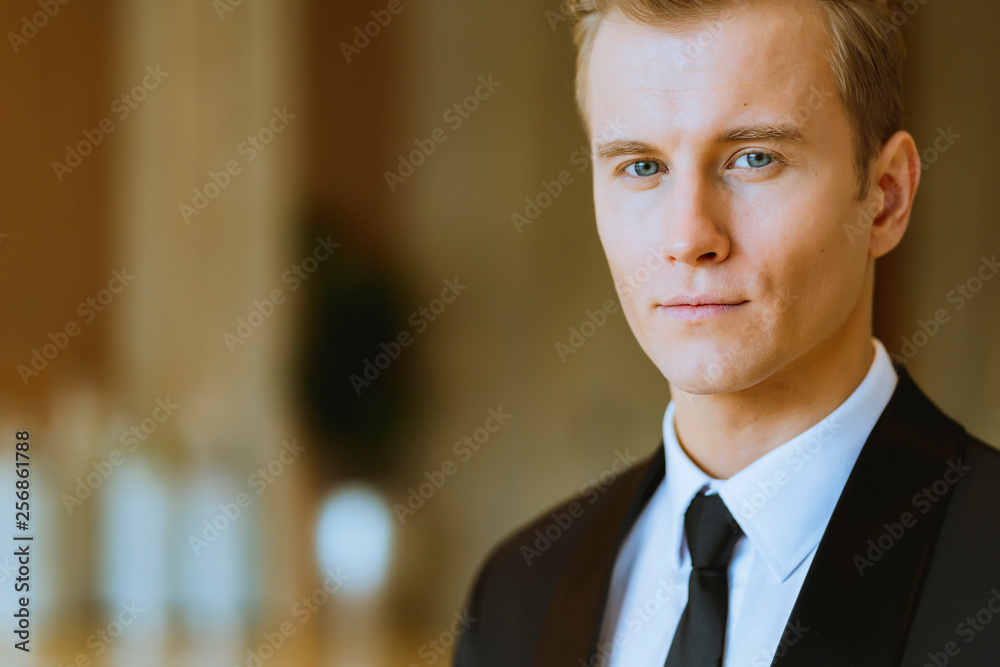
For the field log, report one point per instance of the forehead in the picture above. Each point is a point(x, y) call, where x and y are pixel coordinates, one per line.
point(753, 58)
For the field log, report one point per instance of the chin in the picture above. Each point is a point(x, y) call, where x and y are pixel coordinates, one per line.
point(701, 371)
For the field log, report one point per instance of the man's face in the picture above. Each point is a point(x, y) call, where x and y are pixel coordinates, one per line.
point(731, 185)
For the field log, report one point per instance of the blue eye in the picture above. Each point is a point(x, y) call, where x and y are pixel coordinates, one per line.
point(754, 160)
point(643, 168)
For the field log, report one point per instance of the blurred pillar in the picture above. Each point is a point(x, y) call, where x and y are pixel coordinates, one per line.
point(205, 213)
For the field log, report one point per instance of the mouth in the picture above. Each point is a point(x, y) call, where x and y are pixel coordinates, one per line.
point(699, 307)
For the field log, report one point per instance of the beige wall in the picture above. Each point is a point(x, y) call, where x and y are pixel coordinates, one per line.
point(951, 83)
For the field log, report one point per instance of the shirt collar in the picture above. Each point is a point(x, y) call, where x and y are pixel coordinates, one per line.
point(784, 500)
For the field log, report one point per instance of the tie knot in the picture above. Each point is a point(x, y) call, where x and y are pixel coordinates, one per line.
point(711, 531)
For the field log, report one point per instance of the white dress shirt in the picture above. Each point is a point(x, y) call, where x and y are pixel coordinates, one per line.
point(782, 501)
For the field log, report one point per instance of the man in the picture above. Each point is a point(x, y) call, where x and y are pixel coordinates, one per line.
point(809, 506)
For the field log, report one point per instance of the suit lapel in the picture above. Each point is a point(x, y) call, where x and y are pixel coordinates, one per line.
point(858, 598)
point(857, 601)
point(571, 626)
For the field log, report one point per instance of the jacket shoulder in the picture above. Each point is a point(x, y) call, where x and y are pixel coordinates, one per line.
point(513, 586)
point(958, 615)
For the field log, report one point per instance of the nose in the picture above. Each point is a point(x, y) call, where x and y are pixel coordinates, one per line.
point(694, 231)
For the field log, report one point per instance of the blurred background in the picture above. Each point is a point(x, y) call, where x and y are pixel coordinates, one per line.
point(282, 284)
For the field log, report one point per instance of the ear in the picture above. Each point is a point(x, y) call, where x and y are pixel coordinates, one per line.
point(895, 175)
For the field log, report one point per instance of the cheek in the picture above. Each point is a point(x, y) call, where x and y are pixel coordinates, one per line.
point(623, 232)
point(636, 216)
point(802, 249)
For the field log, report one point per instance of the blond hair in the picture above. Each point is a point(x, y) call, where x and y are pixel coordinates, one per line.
point(865, 55)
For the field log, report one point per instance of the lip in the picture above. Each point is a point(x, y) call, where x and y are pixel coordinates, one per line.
point(698, 307)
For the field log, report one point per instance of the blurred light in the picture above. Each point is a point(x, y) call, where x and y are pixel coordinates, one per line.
point(215, 554)
point(355, 534)
point(134, 558)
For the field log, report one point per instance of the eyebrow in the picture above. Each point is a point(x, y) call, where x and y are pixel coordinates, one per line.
point(777, 132)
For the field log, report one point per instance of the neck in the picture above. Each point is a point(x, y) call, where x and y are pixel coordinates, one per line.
point(723, 433)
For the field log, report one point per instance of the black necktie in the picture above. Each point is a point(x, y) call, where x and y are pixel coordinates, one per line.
point(711, 535)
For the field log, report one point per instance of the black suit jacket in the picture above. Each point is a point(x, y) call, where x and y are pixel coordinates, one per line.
point(907, 572)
